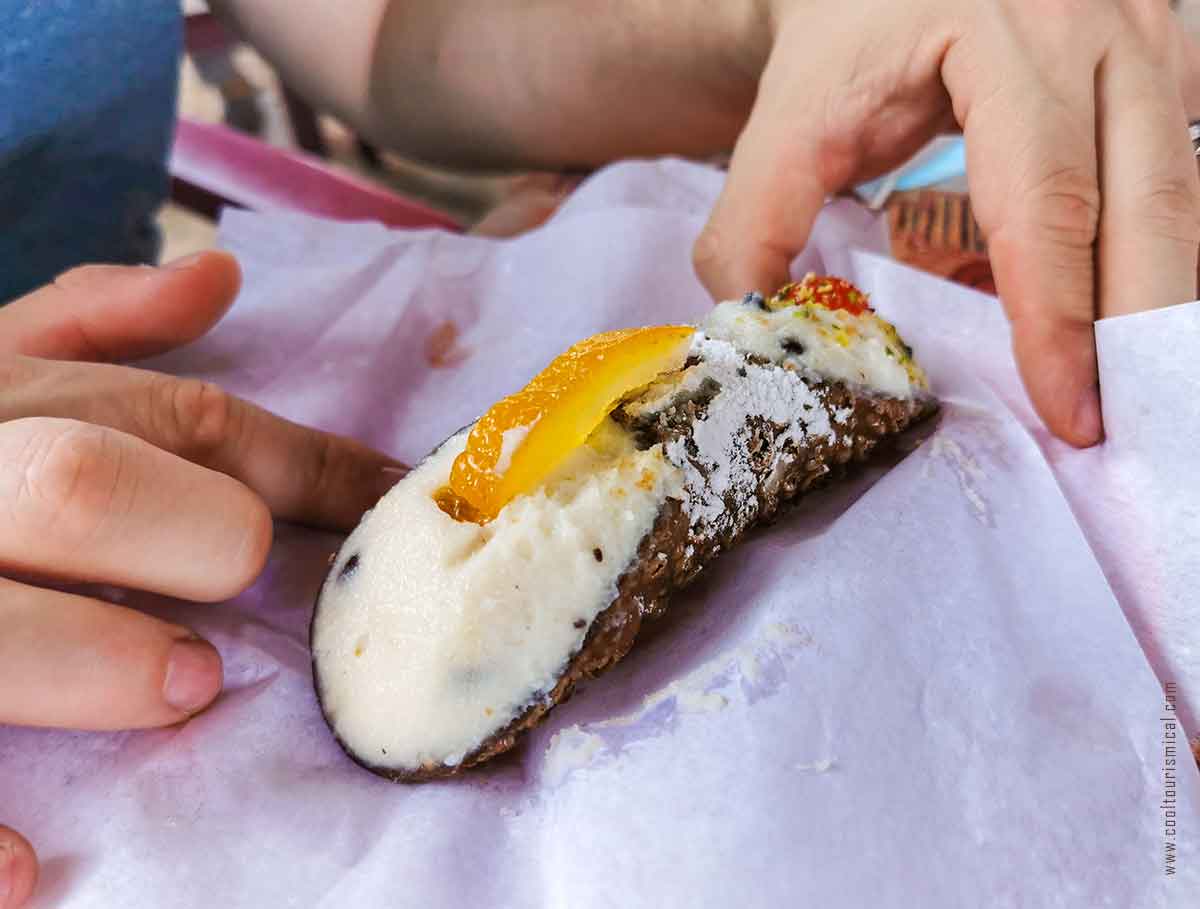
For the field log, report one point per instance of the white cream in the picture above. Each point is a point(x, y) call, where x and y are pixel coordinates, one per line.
point(861, 350)
point(446, 631)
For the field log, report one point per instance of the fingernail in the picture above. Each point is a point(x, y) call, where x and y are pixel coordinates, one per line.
point(6, 870)
point(193, 675)
point(1087, 422)
point(185, 262)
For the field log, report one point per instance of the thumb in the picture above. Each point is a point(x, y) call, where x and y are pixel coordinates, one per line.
point(18, 869)
point(119, 312)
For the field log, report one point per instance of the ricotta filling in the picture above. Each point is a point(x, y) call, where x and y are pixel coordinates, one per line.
point(863, 351)
point(433, 634)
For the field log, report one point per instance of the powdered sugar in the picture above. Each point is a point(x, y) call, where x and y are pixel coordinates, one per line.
point(715, 459)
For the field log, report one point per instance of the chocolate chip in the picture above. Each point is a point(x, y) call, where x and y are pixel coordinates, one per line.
point(579, 623)
point(349, 568)
point(598, 553)
point(754, 298)
point(792, 346)
point(742, 371)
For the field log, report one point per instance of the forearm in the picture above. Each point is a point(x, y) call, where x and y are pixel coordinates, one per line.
point(550, 83)
point(533, 83)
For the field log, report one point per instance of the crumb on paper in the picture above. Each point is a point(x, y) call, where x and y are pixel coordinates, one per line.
point(966, 470)
point(824, 765)
point(570, 749)
point(740, 676)
point(442, 350)
point(700, 702)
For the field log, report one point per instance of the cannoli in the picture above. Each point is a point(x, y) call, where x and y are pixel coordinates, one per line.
point(526, 551)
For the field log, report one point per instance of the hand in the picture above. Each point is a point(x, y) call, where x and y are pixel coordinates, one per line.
point(18, 869)
point(1080, 169)
point(526, 203)
point(127, 477)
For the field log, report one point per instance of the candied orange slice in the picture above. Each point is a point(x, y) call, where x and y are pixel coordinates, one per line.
point(521, 439)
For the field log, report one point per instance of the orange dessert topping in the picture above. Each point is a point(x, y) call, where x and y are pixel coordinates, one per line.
point(822, 290)
point(515, 445)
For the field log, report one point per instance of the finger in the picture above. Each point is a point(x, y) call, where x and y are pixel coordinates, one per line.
point(1188, 56)
point(111, 312)
point(71, 662)
point(88, 503)
point(302, 474)
point(778, 180)
point(528, 203)
point(1150, 222)
point(1031, 160)
point(18, 869)
point(517, 215)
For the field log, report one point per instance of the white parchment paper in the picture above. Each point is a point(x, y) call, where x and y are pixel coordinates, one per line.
point(921, 690)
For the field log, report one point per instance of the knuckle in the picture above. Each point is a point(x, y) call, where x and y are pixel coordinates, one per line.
point(72, 482)
point(1054, 25)
point(1153, 20)
point(202, 416)
point(1169, 209)
point(1063, 209)
point(324, 467)
point(14, 372)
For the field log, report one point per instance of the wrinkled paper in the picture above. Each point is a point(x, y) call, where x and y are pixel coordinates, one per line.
point(923, 689)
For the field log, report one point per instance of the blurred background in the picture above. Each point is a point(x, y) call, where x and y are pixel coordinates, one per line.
point(233, 85)
point(223, 82)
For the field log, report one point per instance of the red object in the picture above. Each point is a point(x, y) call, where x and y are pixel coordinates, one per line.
point(832, 293)
point(213, 166)
point(203, 32)
point(937, 232)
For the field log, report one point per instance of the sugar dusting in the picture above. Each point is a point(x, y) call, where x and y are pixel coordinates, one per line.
point(748, 390)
